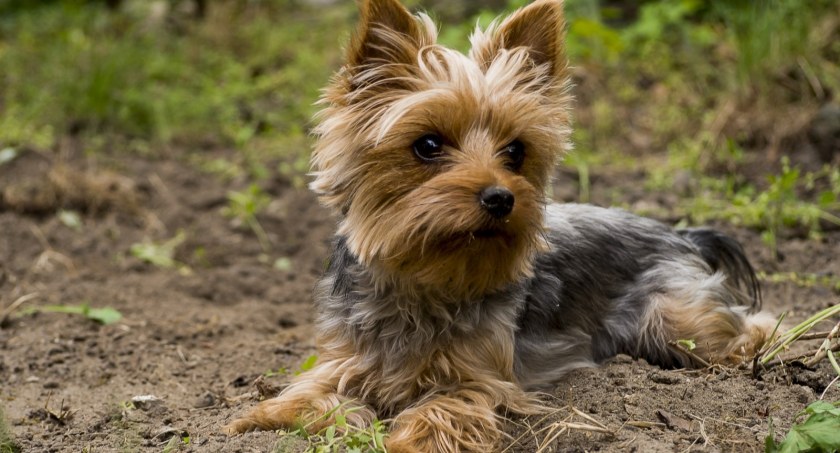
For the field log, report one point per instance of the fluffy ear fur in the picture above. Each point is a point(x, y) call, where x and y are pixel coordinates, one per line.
point(387, 34)
point(538, 27)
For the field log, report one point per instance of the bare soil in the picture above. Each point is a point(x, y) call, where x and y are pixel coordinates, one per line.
point(197, 338)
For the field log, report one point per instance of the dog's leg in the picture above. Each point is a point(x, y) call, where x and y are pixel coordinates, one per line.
point(310, 402)
point(465, 421)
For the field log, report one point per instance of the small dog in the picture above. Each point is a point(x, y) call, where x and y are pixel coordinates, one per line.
point(455, 288)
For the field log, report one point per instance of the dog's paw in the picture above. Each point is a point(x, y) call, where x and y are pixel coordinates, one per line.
point(239, 426)
point(401, 446)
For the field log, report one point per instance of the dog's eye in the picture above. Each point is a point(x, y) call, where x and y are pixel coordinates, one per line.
point(429, 148)
point(514, 152)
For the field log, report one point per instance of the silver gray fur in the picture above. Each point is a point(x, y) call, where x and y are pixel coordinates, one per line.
point(584, 304)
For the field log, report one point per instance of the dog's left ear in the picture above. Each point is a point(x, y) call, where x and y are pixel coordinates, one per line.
point(387, 34)
point(539, 28)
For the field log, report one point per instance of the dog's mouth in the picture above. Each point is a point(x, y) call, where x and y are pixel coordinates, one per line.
point(487, 233)
point(492, 232)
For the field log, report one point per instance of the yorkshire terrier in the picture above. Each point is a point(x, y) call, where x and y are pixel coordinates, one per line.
point(455, 288)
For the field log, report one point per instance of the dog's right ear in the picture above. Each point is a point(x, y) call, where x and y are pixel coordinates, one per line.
point(539, 28)
point(387, 34)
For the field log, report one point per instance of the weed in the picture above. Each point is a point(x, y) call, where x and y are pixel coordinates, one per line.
point(160, 254)
point(687, 344)
point(344, 437)
point(283, 264)
point(70, 219)
point(781, 343)
point(7, 442)
point(282, 371)
point(242, 77)
point(819, 432)
point(803, 280)
point(106, 315)
point(777, 207)
point(308, 364)
point(244, 206)
point(175, 443)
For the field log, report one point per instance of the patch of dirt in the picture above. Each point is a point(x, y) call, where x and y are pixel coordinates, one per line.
point(197, 339)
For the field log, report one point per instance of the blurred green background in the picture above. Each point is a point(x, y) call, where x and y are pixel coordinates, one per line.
point(730, 105)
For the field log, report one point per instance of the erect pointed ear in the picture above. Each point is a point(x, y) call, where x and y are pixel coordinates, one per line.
point(539, 27)
point(387, 33)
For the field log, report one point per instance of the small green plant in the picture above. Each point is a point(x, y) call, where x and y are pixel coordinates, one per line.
point(306, 365)
point(342, 436)
point(803, 280)
point(70, 219)
point(282, 371)
point(175, 443)
point(244, 206)
point(160, 254)
point(105, 316)
point(820, 432)
point(7, 442)
point(782, 342)
point(687, 344)
point(283, 264)
point(779, 206)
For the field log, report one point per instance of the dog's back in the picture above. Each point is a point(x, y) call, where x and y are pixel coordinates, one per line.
point(616, 283)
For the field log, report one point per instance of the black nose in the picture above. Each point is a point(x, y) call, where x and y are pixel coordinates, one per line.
point(497, 201)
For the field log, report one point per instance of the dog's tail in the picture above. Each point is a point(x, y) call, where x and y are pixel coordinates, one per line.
point(726, 255)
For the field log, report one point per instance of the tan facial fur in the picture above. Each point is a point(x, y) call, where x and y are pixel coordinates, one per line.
point(422, 221)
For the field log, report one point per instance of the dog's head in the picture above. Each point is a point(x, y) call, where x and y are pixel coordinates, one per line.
point(438, 162)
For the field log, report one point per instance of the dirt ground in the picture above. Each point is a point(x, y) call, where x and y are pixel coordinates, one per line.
point(197, 339)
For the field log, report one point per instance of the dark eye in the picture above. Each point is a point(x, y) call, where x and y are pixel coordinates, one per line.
point(514, 152)
point(429, 148)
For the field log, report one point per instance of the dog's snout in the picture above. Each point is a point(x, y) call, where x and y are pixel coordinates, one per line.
point(496, 200)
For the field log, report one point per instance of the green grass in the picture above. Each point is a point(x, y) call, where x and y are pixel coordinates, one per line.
point(783, 341)
point(341, 436)
point(161, 254)
point(104, 315)
point(243, 207)
point(780, 206)
point(7, 442)
point(245, 76)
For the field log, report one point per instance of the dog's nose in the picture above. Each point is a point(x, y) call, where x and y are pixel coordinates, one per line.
point(496, 200)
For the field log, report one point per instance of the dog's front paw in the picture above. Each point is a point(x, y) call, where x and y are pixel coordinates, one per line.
point(270, 414)
point(239, 426)
point(445, 425)
point(393, 445)
point(307, 404)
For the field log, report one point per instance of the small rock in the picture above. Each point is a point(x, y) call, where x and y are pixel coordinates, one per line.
point(804, 394)
point(146, 402)
point(672, 421)
point(206, 400)
point(661, 377)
